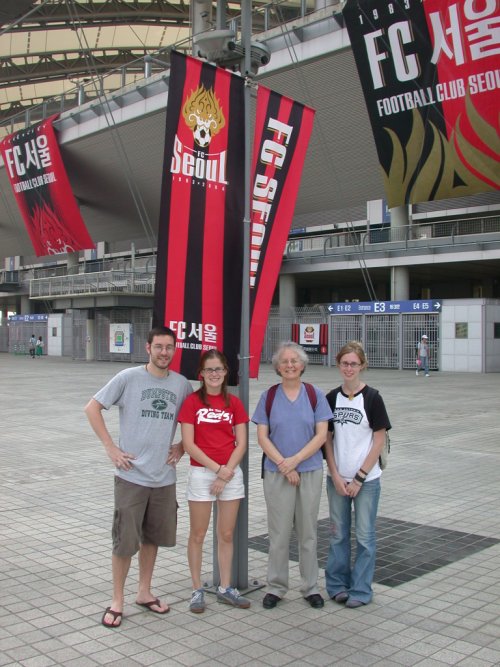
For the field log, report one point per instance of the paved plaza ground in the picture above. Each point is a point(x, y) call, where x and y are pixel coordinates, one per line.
point(437, 584)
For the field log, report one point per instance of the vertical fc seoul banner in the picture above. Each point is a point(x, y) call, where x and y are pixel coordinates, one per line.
point(200, 236)
point(282, 131)
point(430, 75)
point(43, 192)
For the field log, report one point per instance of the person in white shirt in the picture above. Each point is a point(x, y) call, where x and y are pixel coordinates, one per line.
point(355, 441)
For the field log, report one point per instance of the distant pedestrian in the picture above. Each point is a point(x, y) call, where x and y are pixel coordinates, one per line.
point(32, 346)
point(423, 356)
point(39, 347)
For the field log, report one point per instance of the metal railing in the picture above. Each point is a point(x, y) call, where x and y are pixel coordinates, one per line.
point(419, 235)
point(115, 275)
point(91, 284)
point(144, 264)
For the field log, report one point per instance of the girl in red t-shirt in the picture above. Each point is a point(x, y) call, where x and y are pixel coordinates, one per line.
point(214, 434)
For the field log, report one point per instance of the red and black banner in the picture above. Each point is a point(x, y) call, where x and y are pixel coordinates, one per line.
point(200, 237)
point(312, 337)
point(282, 131)
point(430, 75)
point(43, 192)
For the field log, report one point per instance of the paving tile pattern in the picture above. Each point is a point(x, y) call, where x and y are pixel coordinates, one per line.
point(405, 550)
point(437, 590)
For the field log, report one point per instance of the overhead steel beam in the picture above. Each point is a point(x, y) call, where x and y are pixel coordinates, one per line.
point(96, 14)
point(50, 16)
point(59, 65)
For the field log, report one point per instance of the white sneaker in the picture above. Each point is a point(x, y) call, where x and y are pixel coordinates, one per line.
point(427, 375)
point(416, 372)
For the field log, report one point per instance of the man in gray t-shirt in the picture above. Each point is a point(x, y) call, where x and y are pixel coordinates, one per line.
point(149, 399)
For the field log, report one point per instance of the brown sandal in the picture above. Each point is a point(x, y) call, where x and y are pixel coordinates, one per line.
point(115, 614)
point(153, 603)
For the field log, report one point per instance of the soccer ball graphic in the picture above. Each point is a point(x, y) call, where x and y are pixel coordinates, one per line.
point(202, 136)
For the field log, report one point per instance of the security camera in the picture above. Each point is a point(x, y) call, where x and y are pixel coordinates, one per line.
point(220, 47)
point(260, 54)
point(214, 45)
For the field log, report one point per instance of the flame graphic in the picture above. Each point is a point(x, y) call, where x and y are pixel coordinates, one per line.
point(47, 227)
point(452, 168)
point(202, 112)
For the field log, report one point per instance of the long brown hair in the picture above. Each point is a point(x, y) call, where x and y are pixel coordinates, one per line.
point(202, 391)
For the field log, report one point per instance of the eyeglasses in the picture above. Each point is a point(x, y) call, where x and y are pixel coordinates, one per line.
point(293, 362)
point(213, 371)
point(349, 364)
point(159, 348)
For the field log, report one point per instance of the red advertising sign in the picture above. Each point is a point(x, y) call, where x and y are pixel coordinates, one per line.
point(431, 80)
point(312, 337)
point(43, 192)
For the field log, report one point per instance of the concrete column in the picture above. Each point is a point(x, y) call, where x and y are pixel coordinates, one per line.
point(400, 275)
point(400, 283)
point(287, 292)
point(89, 341)
point(72, 262)
point(399, 216)
point(25, 306)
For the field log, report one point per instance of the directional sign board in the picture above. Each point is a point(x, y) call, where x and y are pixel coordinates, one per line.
point(385, 307)
point(28, 318)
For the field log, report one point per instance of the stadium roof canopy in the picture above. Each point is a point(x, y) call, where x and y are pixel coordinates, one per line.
point(49, 47)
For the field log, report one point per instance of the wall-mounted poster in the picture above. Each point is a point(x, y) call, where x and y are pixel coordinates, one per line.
point(312, 337)
point(120, 338)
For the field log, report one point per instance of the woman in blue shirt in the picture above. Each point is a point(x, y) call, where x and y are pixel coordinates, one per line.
point(291, 432)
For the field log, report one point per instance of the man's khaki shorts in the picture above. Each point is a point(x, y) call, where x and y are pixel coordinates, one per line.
point(143, 515)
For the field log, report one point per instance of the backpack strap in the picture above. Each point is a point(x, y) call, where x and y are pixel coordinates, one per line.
point(271, 393)
point(311, 393)
point(368, 397)
point(331, 397)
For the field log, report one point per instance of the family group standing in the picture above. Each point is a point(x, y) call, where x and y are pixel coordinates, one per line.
point(297, 428)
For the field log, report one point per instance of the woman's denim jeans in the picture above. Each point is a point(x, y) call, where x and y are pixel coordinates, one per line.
point(339, 576)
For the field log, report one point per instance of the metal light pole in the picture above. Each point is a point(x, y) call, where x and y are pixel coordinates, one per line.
point(240, 559)
point(214, 45)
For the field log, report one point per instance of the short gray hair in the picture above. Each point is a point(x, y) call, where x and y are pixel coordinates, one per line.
point(289, 345)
